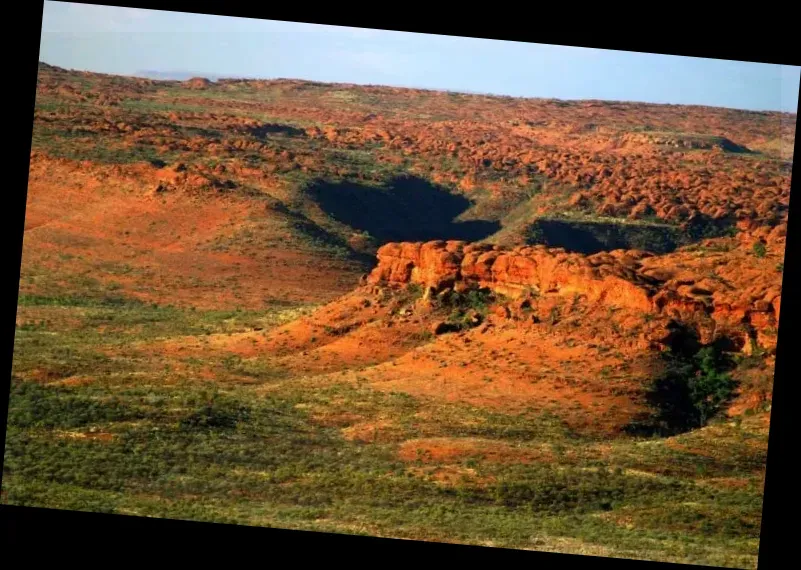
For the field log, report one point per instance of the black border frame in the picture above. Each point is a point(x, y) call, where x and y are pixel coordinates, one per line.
point(35, 531)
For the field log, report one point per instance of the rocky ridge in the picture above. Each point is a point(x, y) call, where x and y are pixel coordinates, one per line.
point(663, 290)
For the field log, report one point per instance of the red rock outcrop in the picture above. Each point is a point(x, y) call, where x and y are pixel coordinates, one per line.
point(632, 280)
point(513, 273)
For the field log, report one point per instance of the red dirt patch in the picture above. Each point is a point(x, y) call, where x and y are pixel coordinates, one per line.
point(515, 370)
point(443, 450)
point(157, 250)
point(380, 431)
point(451, 475)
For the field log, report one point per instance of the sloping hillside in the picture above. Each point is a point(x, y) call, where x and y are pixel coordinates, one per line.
point(514, 322)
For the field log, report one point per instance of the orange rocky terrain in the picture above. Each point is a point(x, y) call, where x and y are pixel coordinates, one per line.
point(718, 295)
point(254, 192)
point(410, 313)
point(577, 334)
point(619, 160)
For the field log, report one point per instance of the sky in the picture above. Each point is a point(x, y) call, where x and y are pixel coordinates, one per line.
point(129, 41)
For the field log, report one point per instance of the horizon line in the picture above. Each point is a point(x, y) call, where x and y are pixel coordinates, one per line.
point(141, 74)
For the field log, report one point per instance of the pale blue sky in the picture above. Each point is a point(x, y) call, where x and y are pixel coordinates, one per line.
point(127, 41)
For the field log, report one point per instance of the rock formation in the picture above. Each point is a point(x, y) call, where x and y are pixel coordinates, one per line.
point(633, 280)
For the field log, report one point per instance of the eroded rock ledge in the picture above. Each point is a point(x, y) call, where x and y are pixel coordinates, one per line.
point(633, 280)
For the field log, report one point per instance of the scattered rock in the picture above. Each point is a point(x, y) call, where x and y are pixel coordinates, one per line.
point(160, 188)
point(502, 311)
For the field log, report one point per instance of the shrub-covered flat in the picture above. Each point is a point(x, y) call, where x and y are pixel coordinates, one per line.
point(122, 431)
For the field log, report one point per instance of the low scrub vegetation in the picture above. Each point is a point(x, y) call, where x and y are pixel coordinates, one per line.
point(689, 390)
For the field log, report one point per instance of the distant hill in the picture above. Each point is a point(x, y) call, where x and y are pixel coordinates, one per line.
point(175, 75)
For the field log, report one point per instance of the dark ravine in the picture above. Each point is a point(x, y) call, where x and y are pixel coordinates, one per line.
point(589, 236)
point(405, 209)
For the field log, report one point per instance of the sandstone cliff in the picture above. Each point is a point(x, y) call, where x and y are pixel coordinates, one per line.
point(738, 300)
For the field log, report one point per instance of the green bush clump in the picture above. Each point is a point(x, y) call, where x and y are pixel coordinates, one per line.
point(468, 308)
point(33, 405)
point(472, 299)
point(710, 386)
point(216, 412)
point(414, 289)
point(551, 490)
point(688, 391)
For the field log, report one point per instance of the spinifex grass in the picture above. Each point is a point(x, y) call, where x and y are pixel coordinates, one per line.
point(140, 439)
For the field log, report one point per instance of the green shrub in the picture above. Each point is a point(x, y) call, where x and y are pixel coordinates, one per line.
point(479, 299)
point(688, 391)
point(710, 387)
point(550, 490)
point(464, 306)
point(414, 289)
point(473, 299)
point(33, 405)
point(759, 249)
point(216, 412)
